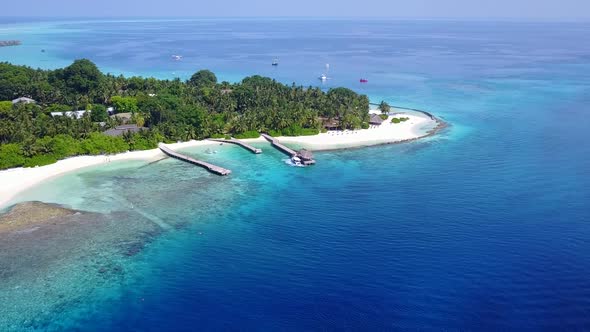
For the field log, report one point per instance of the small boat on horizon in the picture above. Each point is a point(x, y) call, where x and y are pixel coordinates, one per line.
point(324, 77)
point(176, 57)
point(275, 62)
point(364, 80)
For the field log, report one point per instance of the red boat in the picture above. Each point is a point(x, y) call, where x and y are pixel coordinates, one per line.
point(364, 80)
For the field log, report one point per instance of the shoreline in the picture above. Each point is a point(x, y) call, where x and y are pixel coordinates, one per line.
point(17, 180)
point(441, 125)
point(418, 126)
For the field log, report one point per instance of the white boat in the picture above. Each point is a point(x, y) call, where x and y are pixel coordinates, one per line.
point(324, 77)
point(177, 57)
point(296, 161)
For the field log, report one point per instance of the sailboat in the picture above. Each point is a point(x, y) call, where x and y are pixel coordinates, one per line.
point(275, 62)
point(324, 76)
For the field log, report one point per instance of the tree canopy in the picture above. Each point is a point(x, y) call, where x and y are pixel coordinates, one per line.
point(203, 78)
point(170, 110)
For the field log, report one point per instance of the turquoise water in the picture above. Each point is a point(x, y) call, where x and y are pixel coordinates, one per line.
point(482, 227)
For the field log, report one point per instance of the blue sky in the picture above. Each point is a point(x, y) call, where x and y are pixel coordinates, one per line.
point(454, 9)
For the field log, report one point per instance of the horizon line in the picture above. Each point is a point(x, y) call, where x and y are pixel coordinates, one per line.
point(286, 18)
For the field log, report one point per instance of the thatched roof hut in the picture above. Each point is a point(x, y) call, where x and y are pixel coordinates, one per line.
point(330, 124)
point(375, 119)
point(305, 154)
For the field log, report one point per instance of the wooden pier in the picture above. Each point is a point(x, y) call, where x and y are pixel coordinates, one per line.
point(238, 142)
point(305, 155)
point(210, 167)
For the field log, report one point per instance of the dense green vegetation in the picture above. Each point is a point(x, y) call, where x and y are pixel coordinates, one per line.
point(398, 120)
point(170, 110)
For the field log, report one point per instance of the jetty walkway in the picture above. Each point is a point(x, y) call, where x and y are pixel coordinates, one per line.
point(238, 142)
point(210, 167)
point(305, 155)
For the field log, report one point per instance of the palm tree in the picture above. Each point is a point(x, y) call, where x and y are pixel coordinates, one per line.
point(384, 107)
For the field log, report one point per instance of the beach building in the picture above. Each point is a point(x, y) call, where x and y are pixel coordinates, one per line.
point(24, 100)
point(120, 130)
point(375, 120)
point(71, 114)
point(330, 124)
point(306, 156)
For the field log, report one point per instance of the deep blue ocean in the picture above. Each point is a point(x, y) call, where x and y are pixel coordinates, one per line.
point(485, 226)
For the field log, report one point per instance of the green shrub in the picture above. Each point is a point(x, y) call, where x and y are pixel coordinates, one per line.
point(297, 130)
point(275, 133)
point(98, 143)
point(365, 125)
point(11, 155)
point(218, 136)
point(398, 120)
point(139, 142)
point(383, 116)
point(40, 160)
point(64, 146)
point(309, 132)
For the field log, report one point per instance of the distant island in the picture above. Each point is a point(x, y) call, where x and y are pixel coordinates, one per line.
point(4, 43)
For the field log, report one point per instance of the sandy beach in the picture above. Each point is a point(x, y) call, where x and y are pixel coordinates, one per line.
point(16, 180)
point(418, 125)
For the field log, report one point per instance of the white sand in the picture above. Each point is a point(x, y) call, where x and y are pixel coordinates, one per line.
point(13, 181)
point(387, 132)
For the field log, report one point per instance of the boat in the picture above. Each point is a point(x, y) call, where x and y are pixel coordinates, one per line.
point(177, 57)
point(275, 62)
point(324, 77)
point(364, 80)
point(296, 161)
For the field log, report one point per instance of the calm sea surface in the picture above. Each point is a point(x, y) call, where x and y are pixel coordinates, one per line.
point(483, 227)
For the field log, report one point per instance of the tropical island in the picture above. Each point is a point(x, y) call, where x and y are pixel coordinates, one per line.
point(49, 115)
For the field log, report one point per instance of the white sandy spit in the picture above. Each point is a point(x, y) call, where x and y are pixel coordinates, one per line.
point(14, 181)
point(388, 132)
